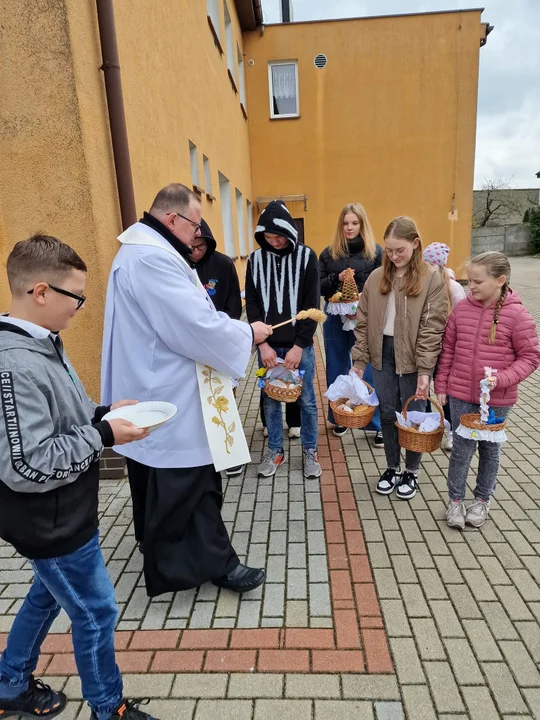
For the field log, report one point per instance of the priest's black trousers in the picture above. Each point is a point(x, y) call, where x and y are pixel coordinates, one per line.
point(178, 513)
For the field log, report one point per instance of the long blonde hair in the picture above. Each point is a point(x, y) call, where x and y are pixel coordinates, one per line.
point(404, 228)
point(338, 248)
point(497, 265)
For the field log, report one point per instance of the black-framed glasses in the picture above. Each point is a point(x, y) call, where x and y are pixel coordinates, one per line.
point(81, 299)
point(200, 246)
point(197, 226)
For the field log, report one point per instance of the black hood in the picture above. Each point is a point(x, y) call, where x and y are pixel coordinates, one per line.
point(206, 234)
point(276, 219)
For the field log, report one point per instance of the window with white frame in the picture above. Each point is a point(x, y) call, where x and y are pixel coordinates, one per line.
point(229, 41)
point(251, 238)
point(194, 161)
point(241, 219)
point(226, 215)
point(207, 175)
point(212, 10)
point(241, 77)
point(283, 87)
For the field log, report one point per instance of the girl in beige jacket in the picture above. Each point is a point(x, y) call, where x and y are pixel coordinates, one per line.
point(400, 321)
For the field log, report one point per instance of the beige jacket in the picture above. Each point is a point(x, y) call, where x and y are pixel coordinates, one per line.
point(418, 328)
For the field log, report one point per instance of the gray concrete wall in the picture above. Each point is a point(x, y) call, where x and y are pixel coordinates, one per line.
point(512, 240)
point(508, 205)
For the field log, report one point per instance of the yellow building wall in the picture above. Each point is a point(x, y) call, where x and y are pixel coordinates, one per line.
point(390, 122)
point(57, 171)
point(55, 156)
point(176, 90)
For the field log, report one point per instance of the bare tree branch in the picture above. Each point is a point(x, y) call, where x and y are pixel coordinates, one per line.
point(498, 203)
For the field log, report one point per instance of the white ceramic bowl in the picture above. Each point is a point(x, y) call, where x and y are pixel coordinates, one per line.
point(149, 415)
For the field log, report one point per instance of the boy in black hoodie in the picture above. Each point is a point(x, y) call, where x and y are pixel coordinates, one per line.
point(217, 273)
point(282, 278)
point(51, 438)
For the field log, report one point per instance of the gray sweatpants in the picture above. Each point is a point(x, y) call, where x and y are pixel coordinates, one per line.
point(393, 391)
point(462, 455)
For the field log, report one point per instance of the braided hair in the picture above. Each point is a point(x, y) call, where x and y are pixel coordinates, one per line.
point(498, 306)
point(497, 265)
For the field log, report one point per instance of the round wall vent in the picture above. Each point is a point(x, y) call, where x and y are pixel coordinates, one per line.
point(320, 61)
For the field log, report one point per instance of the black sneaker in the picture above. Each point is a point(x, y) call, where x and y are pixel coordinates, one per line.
point(388, 481)
point(407, 486)
point(378, 441)
point(233, 471)
point(37, 701)
point(129, 710)
point(339, 431)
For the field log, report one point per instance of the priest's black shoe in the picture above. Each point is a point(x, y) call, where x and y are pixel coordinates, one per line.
point(242, 579)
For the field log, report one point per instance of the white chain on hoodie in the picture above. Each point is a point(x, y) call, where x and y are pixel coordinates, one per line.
point(262, 275)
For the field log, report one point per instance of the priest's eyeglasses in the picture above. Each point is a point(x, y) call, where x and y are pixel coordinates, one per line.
point(81, 299)
point(197, 226)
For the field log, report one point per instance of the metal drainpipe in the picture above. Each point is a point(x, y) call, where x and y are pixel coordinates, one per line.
point(117, 117)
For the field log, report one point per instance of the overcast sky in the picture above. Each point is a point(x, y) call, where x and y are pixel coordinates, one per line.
point(508, 139)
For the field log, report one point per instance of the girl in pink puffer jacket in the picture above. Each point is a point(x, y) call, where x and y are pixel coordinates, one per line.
point(490, 328)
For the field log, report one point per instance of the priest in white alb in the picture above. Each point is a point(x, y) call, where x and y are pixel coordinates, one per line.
point(163, 340)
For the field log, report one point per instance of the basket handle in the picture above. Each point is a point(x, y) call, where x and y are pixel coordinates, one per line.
point(432, 401)
point(367, 385)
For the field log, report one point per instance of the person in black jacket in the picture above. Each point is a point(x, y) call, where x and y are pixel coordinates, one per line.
point(353, 247)
point(217, 273)
point(282, 278)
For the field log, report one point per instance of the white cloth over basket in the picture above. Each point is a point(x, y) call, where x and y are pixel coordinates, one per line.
point(422, 421)
point(351, 387)
point(280, 372)
point(494, 436)
point(337, 308)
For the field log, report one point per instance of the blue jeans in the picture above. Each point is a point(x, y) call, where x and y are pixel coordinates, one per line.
point(78, 583)
point(463, 451)
point(307, 402)
point(337, 345)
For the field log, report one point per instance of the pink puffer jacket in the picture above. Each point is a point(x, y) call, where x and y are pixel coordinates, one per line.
point(466, 350)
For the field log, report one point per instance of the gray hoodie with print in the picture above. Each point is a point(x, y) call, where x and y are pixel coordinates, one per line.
point(50, 444)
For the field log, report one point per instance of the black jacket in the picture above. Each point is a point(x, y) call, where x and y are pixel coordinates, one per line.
point(280, 283)
point(356, 259)
point(217, 273)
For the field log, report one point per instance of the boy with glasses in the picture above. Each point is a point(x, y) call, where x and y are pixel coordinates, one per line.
point(50, 444)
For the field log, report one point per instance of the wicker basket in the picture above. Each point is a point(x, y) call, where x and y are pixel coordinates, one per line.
point(361, 416)
point(411, 439)
point(288, 394)
point(472, 421)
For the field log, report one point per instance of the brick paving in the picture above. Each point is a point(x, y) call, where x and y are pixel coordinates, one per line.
point(373, 607)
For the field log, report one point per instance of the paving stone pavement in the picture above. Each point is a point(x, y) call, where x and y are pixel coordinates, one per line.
point(460, 611)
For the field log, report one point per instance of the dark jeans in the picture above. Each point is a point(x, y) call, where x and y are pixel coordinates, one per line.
point(80, 584)
point(463, 450)
point(293, 413)
point(337, 346)
point(307, 402)
point(393, 391)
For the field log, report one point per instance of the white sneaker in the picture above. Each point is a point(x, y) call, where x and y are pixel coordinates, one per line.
point(455, 514)
point(477, 513)
point(294, 432)
point(448, 440)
